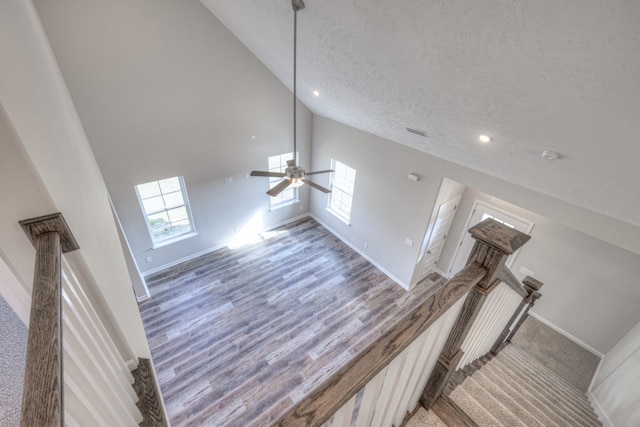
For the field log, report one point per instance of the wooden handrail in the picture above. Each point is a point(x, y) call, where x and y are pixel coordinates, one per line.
point(42, 399)
point(508, 278)
point(323, 402)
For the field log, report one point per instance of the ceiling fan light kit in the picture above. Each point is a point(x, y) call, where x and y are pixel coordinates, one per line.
point(294, 175)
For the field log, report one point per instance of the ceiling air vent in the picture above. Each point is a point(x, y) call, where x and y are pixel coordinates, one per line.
point(415, 131)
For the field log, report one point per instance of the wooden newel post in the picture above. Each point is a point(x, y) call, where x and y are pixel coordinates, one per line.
point(43, 382)
point(532, 286)
point(494, 243)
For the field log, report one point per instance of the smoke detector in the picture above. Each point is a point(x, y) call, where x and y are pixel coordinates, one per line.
point(549, 155)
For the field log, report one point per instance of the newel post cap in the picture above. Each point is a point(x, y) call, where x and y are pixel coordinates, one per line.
point(500, 237)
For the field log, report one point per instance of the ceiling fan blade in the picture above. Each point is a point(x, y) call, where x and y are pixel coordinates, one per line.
point(316, 186)
point(269, 174)
point(279, 188)
point(316, 172)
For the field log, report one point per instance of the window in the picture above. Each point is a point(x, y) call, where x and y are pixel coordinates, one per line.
point(166, 208)
point(288, 196)
point(342, 185)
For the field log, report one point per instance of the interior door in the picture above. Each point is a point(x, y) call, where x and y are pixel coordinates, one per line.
point(480, 212)
point(438, 236)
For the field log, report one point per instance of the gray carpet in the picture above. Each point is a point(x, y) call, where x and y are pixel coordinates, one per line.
point(13, 350)
point(424, 418)
point(568, 360)
point(513, 389)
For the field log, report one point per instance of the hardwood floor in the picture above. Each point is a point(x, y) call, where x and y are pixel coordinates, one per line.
point(240, 335)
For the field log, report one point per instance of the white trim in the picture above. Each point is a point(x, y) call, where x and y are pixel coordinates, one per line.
point(602, 416)
point(131, 364)
point(442, 273)
point(595, 374)
point(14, 292)
point(213, 249)
point(175, 239)
point(362, 254)
point(511, 259)
point(338, 215)
point(567, 334)
point(143, 297)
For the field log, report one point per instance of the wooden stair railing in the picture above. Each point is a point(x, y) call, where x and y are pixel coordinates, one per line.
point(330, 396)
point(42, 400)
point(494, 243)
point(95, 386)
point(531, 286)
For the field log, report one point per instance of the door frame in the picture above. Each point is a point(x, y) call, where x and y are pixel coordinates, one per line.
point(511, 259)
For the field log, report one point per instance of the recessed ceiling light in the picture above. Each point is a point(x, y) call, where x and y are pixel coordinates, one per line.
point(549, 155)
point(484, 138)
point(316, 93)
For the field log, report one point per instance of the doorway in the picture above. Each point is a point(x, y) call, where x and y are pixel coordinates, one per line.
point(479, 213)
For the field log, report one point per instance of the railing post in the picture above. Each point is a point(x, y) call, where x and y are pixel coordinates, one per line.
point(532, 286)
point(494, 243)
point(42, 399)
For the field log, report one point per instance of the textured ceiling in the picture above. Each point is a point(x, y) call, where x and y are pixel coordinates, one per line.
point(535, 75)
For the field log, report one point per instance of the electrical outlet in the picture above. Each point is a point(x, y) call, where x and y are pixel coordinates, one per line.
point(148, 259)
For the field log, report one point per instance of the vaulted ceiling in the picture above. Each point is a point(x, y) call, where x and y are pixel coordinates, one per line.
point(534, 75)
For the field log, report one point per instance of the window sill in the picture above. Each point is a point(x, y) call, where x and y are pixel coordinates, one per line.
point(340, 217)
point(157, 245)
point(282, 205)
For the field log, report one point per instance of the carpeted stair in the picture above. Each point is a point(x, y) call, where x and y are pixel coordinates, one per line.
point(513, 389)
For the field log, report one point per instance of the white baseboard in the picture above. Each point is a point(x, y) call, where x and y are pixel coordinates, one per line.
point(567, 334)
point(362, 254)
point(442, 273)
point(208, 251)
point(143, 297)
point(602, 416)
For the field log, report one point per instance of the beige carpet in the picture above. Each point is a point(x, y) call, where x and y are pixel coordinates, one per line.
point(13, 350)
point(422, 418)
point(513, 389)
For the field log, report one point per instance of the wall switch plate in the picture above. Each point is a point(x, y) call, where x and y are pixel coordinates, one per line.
point(527, 272)
point(148, 259)
point(228, 180)
point(366, 245)
point(408, 242)
point(247, 175)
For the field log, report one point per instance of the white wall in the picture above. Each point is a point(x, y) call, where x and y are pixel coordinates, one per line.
point(24, 196)
point(164, 89)
point(590, 285)
point(46, 125)
point(617, 384)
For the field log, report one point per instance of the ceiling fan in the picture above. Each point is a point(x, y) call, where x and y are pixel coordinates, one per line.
point(293, 175)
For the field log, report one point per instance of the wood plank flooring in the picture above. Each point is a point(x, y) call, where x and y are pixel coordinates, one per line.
point(240, 335)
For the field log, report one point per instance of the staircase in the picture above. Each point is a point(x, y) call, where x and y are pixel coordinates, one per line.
point(513, 389)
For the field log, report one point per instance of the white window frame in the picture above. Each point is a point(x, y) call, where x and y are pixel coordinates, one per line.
point(335, 190)
point(156, 242)
point(273, 204)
